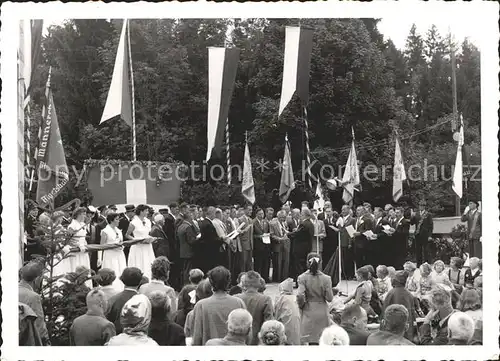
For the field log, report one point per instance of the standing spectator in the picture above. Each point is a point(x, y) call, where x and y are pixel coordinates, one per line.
point(125, 222)
point(460, 329)
point(334, 335)
point(401, 296)
point(399, 242)
point(393, 327)
point(319, 233)
point(135, 318)
point(28, 334)
point(246, 239)
point(261, 249)
point(210, 242)
point(332, 236)
point(287, 312)
point(423, 231)
point(379, 244)
point(105, 278)
point(473, 218)
point(162, 329)
point(29, 273)
point(188, 237)
point(195, 276)
point(280, 244)
point(272, 333)
point(210, 315)
point(315, 290)
point(345, 220)
point(92, 329)
point(260, 306)
point(131, 278)
point(354, 320)
point(302, 242)
point(203, 290)
point(434, 331)
point(360, 242)
point(160, 271)
point(239, 328)
point(161, 246)
point(470, 303)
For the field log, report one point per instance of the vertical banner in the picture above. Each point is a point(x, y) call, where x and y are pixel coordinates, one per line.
point(351, 174)
point(222, 67)
point(247, 186)
point(287, 183)
point(399, 173)
point(458, 172)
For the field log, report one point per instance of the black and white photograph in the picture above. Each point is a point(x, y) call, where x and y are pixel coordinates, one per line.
point(268, 174)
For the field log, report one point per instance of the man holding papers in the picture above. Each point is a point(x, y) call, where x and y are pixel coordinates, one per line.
point(261, 245)
point(302, 240)
point(379, 244)
point(346, 220)
point(280, 244)
point(399, 244)
point(362, 236)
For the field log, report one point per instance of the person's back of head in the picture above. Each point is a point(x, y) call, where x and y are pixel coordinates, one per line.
point(334, 335)
point(470, 300)
point(160, 305)
point(272, 333)
point(399, 279)
point(131, 277)
point(251, 281)
point(219, 277)
point(460, 327)
point(105, 277)
point(395, 319)
point(239, 322)
point(440, 298)
point(196, 275)
point(160, 269)
point(30, 272)
point(313, 262)
point(354, 315)
point(203, 290)
point(96, 301)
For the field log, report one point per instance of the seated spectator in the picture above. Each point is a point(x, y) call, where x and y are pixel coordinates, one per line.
point(439, 276)
point(272, 333)
point(131, 278)
point(203, 290)
point(28, 334)
point(238, 288)
point(434, 330)
point(375, 302)
point(392, 328)
point(363, 293)
point(29, 274)
point(425, 285)
point(260, 306)
point(262, 285)
point(336, 306)
point(287, 311)
point(455, 274)
point(412, 283)
point(105, 278)
point(334, 335)
point(384, 282)
point(392, 272)
point(92, 329)
point(470, 303)
point(162, 329)
point(210, 314)
point(473, 272)
point(460, 329)
point(160, 272)
point(135, 318)
point(478, 285)
point(401, 296)
point(354, 321)
point(239, 329)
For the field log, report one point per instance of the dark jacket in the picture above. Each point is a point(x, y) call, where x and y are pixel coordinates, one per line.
point(166, 332)
point(365, 223)
point(91, 330)
point(169, 229)
point(123, 225)
point(259, 228)
point(401, 296)
point(356, 336)
point(303, 238)
point(387, 338)
point(115, 305)
point(473, 230)
point(161, 246)
point(34, 301)
point(440, 326)
point(186, 234)
point(423, 226)
point(261, 308)
point(345, 240)
point(28, 334)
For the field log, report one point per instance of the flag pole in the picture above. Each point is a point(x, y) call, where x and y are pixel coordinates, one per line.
point(340, 257)
point(455, 106)
point(228, 154)
point(308, 157)
point(134, 142)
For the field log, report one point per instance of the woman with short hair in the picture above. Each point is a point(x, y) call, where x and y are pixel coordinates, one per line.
point(79, 231)
point(105, 278)
point(272, 333)
point(470, 303)
point(141, 254)
point(334, 335)
point(113, 259)
point(160, 272)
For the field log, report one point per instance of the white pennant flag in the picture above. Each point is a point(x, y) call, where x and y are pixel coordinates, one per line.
point(319, 203)
point(399, 173)
point(458, 174)
point(247, 186)
point(351, 174)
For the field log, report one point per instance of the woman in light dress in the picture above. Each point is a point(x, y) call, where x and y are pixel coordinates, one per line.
point(141, 254)
point(113, 259)
point(78, 228)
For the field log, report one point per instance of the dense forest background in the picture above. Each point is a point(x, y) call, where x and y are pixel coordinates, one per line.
point(357, 80)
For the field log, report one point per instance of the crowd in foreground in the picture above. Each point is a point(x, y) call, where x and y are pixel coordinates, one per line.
point(384, 309)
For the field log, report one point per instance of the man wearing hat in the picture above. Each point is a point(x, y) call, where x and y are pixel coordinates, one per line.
point(125, 222)
point(424, 225)
point(472, 216)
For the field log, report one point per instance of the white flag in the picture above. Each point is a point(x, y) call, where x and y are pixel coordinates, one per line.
point(399, 174)
point(319, 203)
point(247, 186)
point(351, 174)
point(458, 174)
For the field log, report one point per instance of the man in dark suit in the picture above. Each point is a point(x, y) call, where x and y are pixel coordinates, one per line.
point(399, 242)
point(172, 220)
point(99, 226)
point(161, 246)
point(363, 224)
point(131, 278)
point(345, 220)
point(125, 222)
point(210, 243)
point(473, 218)
point(322, 215)
point(187, 236)
point(280, 244)
point(354, 320)
point(378, 246)
point(331, 241)
point(423, 232)
point(91, 236)
point(261, 250)
point(246, 239)
point(302, 243)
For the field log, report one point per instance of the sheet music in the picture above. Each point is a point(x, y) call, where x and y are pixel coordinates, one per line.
point(350, 229)
point(266, 238)
point(368, 234)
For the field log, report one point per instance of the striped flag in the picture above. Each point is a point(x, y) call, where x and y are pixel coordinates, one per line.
point(399, 173)
point(247, 186)
point(351, 174)
point(458, 173)
point(222, 66)
point(298, 49)
point(119, 100)
point(287, 183)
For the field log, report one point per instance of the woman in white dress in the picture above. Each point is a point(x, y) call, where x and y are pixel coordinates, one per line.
point(141, 254)
point(79, 230)
point(113, 259)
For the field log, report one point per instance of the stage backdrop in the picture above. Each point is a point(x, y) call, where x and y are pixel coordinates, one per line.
point(122, 182)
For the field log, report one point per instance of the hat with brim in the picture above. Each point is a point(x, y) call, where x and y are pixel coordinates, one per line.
point(129, 208)
point(475, 202)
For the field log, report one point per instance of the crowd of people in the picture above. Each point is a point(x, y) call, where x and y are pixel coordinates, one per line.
point(198, 277)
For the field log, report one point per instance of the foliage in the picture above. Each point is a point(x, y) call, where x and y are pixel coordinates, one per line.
point(357, 80)
point(445, 248)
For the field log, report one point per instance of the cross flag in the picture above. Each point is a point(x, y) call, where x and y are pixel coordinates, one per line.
point(458, 173)
point(287, 183)
point(351, 174)
point(247, 186)
point(52, 169)
point(222, 66)
point(298, 49)
point(119, 101)
point(319, 203)
point(399, 173)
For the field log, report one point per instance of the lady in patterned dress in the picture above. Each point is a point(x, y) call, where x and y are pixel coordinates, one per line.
point(141, 254)
point(113, 259)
